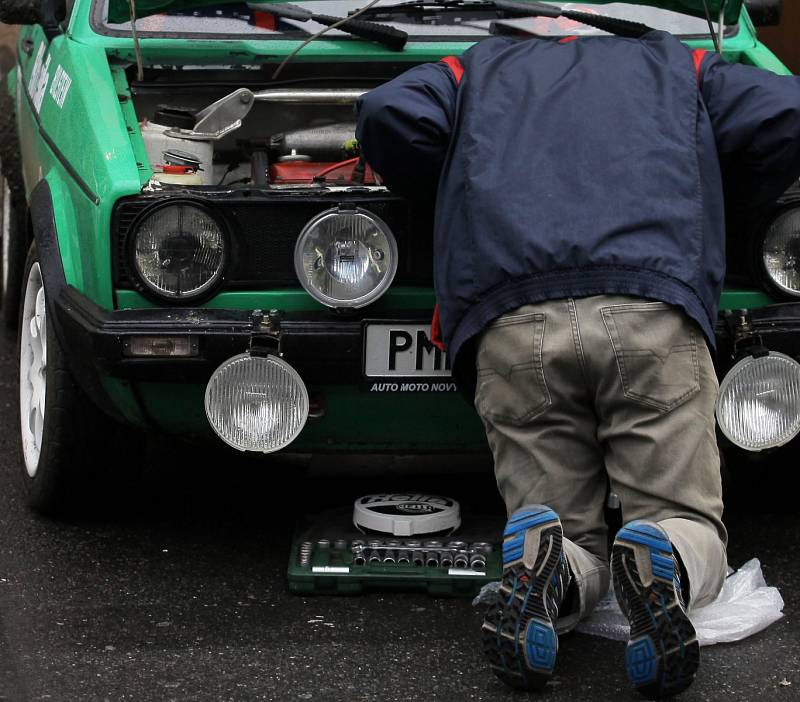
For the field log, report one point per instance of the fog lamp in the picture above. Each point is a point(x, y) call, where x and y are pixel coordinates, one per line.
point(256, 403)
point(759, 402)
point(346, 257)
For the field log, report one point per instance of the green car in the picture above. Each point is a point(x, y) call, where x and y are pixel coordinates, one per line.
point(192, 244)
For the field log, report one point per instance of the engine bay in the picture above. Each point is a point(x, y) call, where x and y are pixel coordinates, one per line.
point(300, 135)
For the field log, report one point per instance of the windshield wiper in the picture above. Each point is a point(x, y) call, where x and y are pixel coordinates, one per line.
point(394, 39)
point(508, 9)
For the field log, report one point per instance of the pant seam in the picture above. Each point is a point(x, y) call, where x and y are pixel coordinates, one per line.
point(576, 338)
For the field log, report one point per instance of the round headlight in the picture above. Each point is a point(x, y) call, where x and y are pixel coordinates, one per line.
point(759, 402)
point(256, 403)
point(781, 251)
point(178, 251)
point(346, 258)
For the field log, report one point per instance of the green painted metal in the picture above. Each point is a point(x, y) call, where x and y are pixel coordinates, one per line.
point(412, 299)
point(292, 300)
point(355, 419)
point(736, 299)
point(131, 124)
point(121, 393)
point(83, 152)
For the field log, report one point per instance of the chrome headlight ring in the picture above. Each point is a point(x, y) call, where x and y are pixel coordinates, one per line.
point(779, 251)
point(346, 257)
point(178, 251)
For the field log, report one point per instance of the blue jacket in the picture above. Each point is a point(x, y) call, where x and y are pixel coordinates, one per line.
point(568, 169)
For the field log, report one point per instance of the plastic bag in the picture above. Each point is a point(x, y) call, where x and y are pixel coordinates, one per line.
point(745, 606)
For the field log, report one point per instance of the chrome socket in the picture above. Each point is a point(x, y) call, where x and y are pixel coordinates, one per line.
point(461, 560)
point(477, 561)
point(304, 555)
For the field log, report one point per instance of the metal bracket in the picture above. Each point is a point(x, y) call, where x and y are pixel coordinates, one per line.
point(746, 342)
point(267, 336)
point(219, 118)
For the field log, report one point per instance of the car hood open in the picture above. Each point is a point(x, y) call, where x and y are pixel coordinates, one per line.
point(118, 10)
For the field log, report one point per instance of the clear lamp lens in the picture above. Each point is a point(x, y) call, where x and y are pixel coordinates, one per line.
point(782, 251)
point(256, 403)
point(759, 402)
point(179, 251)
point(346, 258)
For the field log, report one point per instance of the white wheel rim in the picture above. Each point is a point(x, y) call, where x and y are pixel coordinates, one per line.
point(6, 234)
point(33, 369)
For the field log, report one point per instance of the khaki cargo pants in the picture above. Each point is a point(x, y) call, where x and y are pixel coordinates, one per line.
point(577, 393)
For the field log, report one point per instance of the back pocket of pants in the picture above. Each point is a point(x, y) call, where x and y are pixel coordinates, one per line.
point(511, 384)
point(656, 350)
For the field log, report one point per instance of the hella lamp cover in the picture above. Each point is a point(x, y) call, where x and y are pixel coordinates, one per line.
point(346, 257)
point(759, 402)
point(256, 403)
point(406, 514)
point(782, 252)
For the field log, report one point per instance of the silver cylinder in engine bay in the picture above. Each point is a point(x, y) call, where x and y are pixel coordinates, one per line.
point(311, 96)
point(325, 143)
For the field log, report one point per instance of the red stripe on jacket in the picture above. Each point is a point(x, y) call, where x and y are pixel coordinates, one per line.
point(698, 55)
point(454, 64)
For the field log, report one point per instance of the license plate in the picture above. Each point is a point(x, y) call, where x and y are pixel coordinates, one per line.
point(402, 351)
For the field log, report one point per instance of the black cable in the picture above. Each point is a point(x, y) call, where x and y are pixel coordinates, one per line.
point(711, 27)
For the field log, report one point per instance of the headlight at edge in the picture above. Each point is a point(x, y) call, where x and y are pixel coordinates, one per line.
point(758, 406)
point(780, 252)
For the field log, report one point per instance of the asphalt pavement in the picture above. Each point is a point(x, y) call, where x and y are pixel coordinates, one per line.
point(184, 595)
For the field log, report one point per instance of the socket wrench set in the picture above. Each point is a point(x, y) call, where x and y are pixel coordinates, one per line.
point(400, 542)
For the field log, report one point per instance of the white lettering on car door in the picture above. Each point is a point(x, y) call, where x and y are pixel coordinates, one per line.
point(37, 83)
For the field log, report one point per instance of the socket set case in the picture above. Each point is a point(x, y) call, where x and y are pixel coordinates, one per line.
point(330, 556)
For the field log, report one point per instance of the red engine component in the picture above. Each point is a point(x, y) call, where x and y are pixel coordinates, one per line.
point(299, 172)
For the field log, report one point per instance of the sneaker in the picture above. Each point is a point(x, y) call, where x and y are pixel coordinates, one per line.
point(518, 633)
point(663, 654)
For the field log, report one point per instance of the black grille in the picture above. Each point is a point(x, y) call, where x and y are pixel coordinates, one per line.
point(264, 232)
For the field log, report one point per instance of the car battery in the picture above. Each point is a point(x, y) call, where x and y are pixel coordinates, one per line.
point(331, 555)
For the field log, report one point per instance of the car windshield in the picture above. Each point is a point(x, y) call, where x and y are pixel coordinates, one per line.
point(237, 20)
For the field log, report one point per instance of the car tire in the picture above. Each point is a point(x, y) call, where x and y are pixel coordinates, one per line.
point(72, 462)
point(13, 234)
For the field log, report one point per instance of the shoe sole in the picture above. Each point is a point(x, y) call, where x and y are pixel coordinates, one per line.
point(663, 655)
point(518, 636)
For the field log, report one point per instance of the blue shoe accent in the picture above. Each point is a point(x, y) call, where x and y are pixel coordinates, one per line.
point(518, 526)
point(657, 543)
point(541, 645)
point(518, 633)
point(522, 521)
point(640, 659)
point(663, 567)
point(663, 654)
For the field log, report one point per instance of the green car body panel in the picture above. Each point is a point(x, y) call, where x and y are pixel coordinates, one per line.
point(78, 131)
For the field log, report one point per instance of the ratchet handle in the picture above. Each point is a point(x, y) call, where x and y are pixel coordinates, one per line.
point(393, 38)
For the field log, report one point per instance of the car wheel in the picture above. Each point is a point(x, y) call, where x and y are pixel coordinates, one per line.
point(70, 449)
